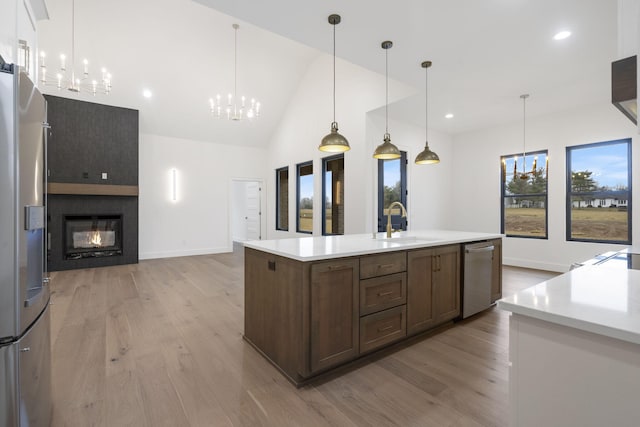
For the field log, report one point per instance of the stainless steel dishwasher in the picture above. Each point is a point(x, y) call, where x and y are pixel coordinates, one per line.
point(478, 271)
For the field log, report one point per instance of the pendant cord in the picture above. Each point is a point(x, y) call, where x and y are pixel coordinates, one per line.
point(524, 133)
point(334, 73)
point(386, 104)
point(235, 70)
point(426, 104)
point(73, 42)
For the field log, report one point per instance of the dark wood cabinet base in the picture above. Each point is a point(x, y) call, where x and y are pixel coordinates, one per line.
point(312, 319)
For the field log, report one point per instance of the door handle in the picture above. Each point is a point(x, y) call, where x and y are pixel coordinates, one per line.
point(482, 249)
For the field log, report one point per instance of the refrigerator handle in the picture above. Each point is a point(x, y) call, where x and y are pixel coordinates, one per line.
point(34, 295)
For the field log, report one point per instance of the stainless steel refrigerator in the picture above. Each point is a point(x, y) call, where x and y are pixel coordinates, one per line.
point(25, 353)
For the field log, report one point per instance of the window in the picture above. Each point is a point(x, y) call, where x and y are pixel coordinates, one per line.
point(304, 203)
point(282, 199)
point(392, 187)
point(524, 195)
point(599, 192)
point(333, 195)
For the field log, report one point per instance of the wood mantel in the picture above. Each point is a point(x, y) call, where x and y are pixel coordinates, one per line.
point(92, 189)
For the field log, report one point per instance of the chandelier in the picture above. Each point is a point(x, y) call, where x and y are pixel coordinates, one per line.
point(235, 109)
point(68, 78)
point(524, 174)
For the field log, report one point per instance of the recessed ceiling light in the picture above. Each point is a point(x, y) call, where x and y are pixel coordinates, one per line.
point(147, 93)
point(448, 116)
point(562, 35)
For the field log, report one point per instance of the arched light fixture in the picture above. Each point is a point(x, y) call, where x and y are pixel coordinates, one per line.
point(426, 157)
point(386, 150)
point(334, 142)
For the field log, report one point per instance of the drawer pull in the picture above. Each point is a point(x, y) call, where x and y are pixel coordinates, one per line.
point(384, 294)
point(381, 266)
point(386, 328)
point(338, 267)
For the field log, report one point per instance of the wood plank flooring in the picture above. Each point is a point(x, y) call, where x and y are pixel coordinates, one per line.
point(160, 343)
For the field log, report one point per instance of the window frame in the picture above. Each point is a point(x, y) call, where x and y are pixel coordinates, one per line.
point(503, 196)
point(298, 167)
point(404, 192)
point(326, 160)
point(279, 195)
point(629, 191)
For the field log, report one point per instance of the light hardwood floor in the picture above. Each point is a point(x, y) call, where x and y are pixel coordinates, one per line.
point(160, 343)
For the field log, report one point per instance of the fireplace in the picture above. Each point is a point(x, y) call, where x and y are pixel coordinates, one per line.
point(92, 236)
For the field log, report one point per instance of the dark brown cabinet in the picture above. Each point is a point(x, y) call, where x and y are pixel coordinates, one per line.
point(334, 314)
point(433, 287)
point(446, 283)
point(310, 317)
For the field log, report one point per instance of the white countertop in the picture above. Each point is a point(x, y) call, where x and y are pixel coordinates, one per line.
point(327, 247)
point(597, 299)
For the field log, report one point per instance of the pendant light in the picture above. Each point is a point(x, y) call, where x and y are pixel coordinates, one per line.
point(426, 157)
point(386, 150)
point(334, 142)
point(525, 175)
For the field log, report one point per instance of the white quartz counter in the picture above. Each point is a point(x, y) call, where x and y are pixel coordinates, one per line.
point(327, 247)
point(597, 299)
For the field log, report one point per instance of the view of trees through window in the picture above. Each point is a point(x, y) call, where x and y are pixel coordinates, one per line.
point(305, 197)
point(282, 199)
point(392, 187)
point(333, 189)
point(599, 192)
point(524, 195)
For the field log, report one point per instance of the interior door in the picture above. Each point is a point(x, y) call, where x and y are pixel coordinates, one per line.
point(253, 192)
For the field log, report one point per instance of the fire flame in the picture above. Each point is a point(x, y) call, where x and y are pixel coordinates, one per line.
point(96, 239)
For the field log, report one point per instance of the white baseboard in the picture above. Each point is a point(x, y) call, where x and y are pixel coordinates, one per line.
point(527, 263)
point(190, 252)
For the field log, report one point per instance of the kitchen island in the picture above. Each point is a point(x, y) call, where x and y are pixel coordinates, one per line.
point(574, 348)
point(315, 303)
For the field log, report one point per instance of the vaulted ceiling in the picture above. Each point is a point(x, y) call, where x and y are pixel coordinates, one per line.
point(485, 55)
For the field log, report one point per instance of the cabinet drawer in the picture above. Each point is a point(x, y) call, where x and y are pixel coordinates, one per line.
point(380, 265)
point(382, 328)
point(382, 292)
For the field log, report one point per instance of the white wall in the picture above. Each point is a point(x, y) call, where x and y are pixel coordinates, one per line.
point(198, 222)
point(476, 183)
point(308, 119)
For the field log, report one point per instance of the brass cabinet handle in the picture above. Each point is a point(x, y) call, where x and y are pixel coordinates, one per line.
point(386, 328)
point(338, 267)
point(382, 294)
point(436, 263)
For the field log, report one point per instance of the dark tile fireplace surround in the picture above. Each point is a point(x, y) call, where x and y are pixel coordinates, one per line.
point(62, 256)
point(93, 185)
